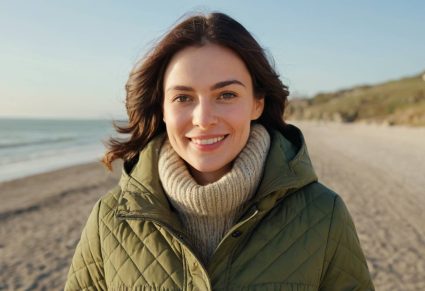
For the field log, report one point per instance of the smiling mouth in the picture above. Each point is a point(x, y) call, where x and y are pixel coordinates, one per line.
point(208, 141)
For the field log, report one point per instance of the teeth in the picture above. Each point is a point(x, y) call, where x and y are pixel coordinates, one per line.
point(207, 141)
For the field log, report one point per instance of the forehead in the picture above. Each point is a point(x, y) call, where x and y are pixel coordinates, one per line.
point(205, 65)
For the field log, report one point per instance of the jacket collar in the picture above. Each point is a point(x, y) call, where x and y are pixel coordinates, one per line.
point(142, 196)
point(287, 168)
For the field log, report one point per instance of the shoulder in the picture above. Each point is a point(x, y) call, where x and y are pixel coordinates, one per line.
point(320, 201)
point(316, 197)
point(328, 201)
point(105, 207)
point(110, 200)
point(313, 207)
point(127, 198)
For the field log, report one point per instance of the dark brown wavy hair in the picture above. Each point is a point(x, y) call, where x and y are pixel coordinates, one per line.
point(145, 84)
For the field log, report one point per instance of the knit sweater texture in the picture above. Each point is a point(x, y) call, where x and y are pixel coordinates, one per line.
point(209, 211)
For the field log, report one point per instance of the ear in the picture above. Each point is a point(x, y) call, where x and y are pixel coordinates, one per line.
point(257, 108)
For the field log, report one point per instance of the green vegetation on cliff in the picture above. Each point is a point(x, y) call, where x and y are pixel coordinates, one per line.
point(394, 102)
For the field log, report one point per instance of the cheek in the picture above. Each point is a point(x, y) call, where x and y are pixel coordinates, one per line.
point(172, 116)
point(239, 115)
point(176, 121)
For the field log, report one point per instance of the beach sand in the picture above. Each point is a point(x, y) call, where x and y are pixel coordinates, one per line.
point(379, 172)
point(41, 219)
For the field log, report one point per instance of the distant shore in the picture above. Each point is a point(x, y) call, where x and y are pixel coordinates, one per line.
point(397, 102)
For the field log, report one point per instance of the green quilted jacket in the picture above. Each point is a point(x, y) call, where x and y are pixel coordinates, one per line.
point(295, 234)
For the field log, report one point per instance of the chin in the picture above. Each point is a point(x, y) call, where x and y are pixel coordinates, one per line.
point(208, 168)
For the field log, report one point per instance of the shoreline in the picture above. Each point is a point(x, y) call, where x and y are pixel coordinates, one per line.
point(45, 170)
point(50, 163)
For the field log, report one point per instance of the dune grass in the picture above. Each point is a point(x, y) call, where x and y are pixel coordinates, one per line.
point(395, 102)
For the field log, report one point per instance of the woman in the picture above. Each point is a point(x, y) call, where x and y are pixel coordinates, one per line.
point(217, 192)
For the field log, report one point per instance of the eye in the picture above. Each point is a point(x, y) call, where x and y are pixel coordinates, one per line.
point(227, 96)
point(182, 98)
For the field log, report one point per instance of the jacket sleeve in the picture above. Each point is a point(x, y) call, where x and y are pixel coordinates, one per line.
point(86, 271)
point(345, 266)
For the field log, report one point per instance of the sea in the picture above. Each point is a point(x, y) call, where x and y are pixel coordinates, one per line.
point(32, 146)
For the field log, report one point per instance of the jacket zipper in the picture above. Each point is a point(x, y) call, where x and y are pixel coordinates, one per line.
point(176, 234)
point(231, 230)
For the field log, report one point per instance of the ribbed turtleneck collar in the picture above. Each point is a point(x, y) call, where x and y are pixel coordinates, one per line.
point(208, 211)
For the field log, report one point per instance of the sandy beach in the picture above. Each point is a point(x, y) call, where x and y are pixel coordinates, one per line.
point(378, 170)
point(41, 218)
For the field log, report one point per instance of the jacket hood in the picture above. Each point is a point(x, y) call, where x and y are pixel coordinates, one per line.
point(287, 168)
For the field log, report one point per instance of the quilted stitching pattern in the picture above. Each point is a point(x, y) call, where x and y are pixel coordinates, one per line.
point(306, 242)
point(289, 250)
point(345, 265)
point(293, 232)
point(290, 245)
point(134, 252)
point(87, 259)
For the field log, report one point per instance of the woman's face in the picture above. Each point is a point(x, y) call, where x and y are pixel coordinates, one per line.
point(208, 107)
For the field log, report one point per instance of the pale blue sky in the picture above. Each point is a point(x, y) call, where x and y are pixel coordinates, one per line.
point(71, 59)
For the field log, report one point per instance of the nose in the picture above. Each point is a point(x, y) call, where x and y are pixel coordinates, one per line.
point(204, 115)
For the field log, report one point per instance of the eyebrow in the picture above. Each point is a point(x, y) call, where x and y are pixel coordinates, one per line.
point(226, 83)
point(213, 87)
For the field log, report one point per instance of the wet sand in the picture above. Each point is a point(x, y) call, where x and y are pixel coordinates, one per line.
point(379, 171)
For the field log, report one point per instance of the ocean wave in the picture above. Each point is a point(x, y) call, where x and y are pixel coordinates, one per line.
point(14, 144)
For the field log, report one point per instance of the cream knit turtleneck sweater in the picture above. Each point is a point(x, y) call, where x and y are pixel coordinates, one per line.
point(209, 211)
